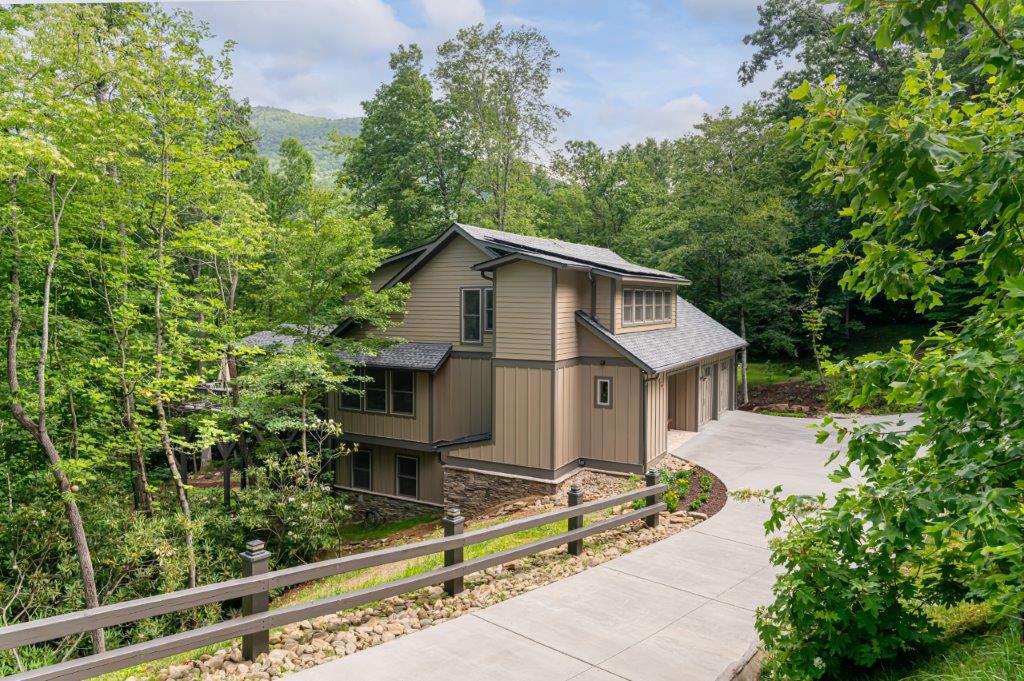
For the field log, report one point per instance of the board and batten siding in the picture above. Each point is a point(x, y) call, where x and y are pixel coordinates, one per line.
point(382, 472)
point(626, 283)
point(682, 399)
point(603, 308)
point(463, 395)
point(433, 309)
point(657, 416)
point(522, 419)
point(415, 428)
point(522, 305)
point(584, 430)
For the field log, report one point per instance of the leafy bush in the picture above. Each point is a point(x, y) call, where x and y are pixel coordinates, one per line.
point(671, 499)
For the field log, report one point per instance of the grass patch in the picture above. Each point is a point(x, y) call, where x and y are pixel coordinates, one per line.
point(992, 655)
point(777, 370)
point(361, 532)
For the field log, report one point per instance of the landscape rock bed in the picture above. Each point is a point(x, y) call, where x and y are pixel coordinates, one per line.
point(312, 642)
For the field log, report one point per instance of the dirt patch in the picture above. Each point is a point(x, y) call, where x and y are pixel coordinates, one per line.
point(791, 397)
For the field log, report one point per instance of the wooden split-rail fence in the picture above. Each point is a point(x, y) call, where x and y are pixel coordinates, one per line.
point(254, 588)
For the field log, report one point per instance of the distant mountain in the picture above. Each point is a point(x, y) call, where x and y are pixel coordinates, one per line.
point(275, 125)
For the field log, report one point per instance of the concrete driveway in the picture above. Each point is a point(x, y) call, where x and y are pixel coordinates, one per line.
point(677, 610)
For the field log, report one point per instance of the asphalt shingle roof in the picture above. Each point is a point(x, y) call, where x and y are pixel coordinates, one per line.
point(563, 249)
point(696, 336)
point(417, 356)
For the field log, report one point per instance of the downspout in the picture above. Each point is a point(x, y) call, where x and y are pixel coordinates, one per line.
point(593, 294)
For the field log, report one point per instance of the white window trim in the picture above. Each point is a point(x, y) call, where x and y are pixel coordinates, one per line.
point(397, 476)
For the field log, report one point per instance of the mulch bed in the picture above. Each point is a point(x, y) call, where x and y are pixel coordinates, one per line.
point(716, 497)
point(808, 397)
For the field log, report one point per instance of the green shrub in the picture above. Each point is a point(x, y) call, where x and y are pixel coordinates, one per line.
point(671, 499)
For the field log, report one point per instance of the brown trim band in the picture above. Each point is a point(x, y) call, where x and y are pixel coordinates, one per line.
point(388, 442)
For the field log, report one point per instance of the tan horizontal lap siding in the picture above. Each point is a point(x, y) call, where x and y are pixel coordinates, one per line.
point(522, 419)
point(382, 472)
point(383, 275)
point(584, 430)
point(572, 294)
point(657, 416)
point(433, 309)
point(415, 428)
point(523, 311)
point(463, 395)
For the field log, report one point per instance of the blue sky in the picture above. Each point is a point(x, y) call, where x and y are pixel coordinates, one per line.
point(631, 69)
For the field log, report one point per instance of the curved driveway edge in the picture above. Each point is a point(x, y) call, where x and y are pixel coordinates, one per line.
point(677, 610)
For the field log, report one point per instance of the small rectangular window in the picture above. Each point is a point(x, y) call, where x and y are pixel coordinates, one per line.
point(471, 313)
point(627, 306)
point(660, 300)
point(377, 390)
point(602, 392)
point(361, 469)
point(352, 401)
point(407, 473)
point(402, 392)
point(648, 306)
point(488, 309)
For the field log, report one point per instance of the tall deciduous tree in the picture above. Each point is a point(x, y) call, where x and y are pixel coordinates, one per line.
point(496, 83)
point(409, 157)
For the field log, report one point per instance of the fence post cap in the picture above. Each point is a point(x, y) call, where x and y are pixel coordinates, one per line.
point(453, 512)
point(574, 488)
point(255, 545)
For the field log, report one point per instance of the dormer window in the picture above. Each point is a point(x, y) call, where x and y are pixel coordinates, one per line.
point(646, 306)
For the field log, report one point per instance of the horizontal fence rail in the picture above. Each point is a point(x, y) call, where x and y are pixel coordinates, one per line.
point(251, 624)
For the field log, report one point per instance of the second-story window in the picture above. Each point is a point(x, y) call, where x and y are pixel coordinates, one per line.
point(472, 309)
point(645, 306)
point(376, 395)
point(488, 309)
point(402, 392)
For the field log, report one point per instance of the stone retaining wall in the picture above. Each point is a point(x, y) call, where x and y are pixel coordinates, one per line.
point(384, 509)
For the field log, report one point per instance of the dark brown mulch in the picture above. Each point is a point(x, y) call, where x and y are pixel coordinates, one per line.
point(716, 498)
point(796, 392)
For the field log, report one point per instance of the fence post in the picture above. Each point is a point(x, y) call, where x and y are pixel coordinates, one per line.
point(453, 524)
point(255, 561)
point(651, 478)
point(576, 521)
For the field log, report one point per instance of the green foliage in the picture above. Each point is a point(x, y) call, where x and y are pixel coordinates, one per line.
point(935, 514)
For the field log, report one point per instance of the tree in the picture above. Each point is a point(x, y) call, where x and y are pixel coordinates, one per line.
point(409, 158)
point(496, 83)
point(935, 516)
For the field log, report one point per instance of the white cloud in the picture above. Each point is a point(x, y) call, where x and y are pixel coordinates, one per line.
point(670, 120)
point(448, 16)
point(727, 10)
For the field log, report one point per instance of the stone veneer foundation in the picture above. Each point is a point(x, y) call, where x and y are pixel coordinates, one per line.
point(477, 493)
point(384, 508)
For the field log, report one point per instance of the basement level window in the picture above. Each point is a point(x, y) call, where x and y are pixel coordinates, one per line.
point(603, 392)
point(361, 469)
point(407, 476)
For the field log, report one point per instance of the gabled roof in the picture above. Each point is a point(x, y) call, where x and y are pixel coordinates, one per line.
point(695, 336)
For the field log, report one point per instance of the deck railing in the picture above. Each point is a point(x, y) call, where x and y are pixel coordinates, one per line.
point(256, 620)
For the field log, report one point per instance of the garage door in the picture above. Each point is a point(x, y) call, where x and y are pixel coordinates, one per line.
point(707, 393)
point(726, 384)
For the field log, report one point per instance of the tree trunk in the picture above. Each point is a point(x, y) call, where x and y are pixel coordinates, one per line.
point(37, 429)
point(158, 364)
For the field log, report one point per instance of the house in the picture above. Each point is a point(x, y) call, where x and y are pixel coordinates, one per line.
point(524, 361)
